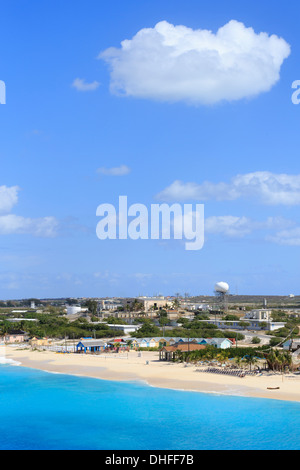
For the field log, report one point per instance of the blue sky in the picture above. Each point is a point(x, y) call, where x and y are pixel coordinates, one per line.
point(56, 136)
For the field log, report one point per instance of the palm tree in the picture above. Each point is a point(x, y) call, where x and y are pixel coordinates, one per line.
point(238, 361)
point(279, 361)
point(250, 360)
point(221, 357)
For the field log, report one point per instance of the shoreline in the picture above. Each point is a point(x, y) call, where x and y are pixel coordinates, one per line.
point(149, 370)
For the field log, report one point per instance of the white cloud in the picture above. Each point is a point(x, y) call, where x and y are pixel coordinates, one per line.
point(81, 85)
point(40, 227)
point(16, 224)
point(286, 237)
point(263, 186)
point(8, 198)
point(121, 170)
point(233, 226)
point(176, 63)
point(228, 225)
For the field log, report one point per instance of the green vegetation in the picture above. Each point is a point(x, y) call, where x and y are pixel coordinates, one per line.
point(211, 353)
point(276, 360)
point(57, 326)
point(148, 329)
point(279, 360)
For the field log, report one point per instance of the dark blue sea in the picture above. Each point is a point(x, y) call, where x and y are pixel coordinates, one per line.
point(41, 411)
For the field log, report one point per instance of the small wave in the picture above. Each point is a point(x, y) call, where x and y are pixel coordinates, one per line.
point(11, 362)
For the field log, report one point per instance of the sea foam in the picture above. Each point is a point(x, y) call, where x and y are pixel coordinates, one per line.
point(11, 362)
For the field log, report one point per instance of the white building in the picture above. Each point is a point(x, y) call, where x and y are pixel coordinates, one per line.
point(247, 324)
point(110, 305)
point(259, 314)
point(192, 307)
point(73, 309)
point(125, 328)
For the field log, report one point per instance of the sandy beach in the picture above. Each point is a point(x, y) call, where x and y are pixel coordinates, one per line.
point(147, 368)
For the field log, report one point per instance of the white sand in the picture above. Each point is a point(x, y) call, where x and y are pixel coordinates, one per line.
point(128, 367)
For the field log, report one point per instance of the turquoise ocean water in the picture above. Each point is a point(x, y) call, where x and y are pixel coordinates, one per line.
point(40, 410)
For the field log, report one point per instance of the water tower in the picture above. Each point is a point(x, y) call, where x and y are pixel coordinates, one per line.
point(221, 293)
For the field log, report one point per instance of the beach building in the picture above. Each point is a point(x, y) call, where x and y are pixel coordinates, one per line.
point(133, 343)
point(143, 343)
point(118, 344)
point(15, 336)
point(220, 343)
point(161, 342)
point(35, 342)
point(168, 353)
point(156, 342)
point(90, 346)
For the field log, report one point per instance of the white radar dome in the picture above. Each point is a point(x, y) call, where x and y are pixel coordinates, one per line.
point(222, 287)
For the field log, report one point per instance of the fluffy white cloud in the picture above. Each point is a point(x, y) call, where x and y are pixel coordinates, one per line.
point(11, 223)
point(176, 63)
point(116, 171)
point(81, 85)
point(8, 198)
point(263, 186)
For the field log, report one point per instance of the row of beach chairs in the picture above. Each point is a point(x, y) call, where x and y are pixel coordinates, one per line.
point(233, 372)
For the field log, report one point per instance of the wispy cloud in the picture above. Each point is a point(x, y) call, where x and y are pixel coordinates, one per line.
point(39, 227)
point(289, 237)
point(81, 85)
point(121, 170)
point(263, 186)
point(238, 227)
point(176, 63)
